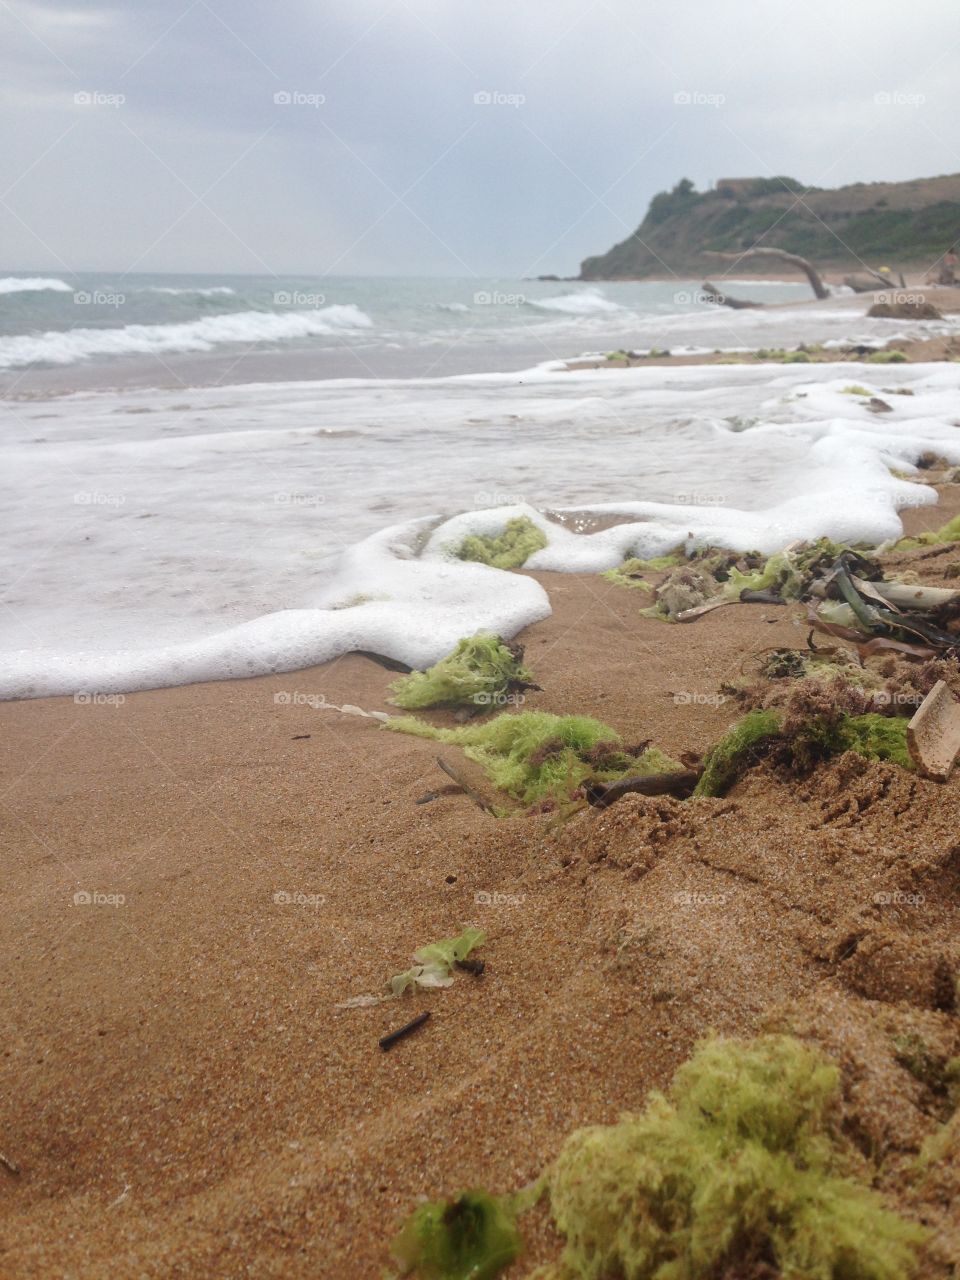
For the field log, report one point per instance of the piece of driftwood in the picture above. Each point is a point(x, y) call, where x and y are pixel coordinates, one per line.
point(721, 299)
point(780, 255)
point(471, 779)
point(933, 734)
point(600, 795)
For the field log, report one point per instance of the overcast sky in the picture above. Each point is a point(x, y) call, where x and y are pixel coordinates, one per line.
point(155, 135)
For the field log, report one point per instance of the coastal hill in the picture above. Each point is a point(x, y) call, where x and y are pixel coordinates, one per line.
point(900, 223)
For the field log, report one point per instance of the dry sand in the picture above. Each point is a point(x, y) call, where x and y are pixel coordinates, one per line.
point(182, 1097)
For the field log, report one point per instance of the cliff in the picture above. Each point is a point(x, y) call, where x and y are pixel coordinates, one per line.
point(900, 223)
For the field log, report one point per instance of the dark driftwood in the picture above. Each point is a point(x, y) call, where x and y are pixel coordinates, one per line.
point(781, 255)
point(713, 294)
point(600, 795)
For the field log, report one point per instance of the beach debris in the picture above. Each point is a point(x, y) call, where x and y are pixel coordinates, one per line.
point(473, 781)
point(300, 737)
point(933, 734)
point(472, 966)
point(433, 964)
point(905, 309)
point(817, 721)
point(509, 549)
point(472, 1237)
point(711, 578)
point(601, 795)
point(710, 293)
point(9, 1165)
point(388, 1041)
point(742, 1168)
point(480, 672)
point(887, 357)
point(820, 290)
point(535, 756)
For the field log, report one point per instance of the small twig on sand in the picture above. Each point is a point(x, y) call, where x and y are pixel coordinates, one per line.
point(10, 1165)
point(387, 1042)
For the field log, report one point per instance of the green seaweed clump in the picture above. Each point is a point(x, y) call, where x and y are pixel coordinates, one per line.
point(726, 761)
point(949, 532)
point(630, 573)
point(740, 1170)
point(433, 964)
point(480, 671)
point(470, 1238)
point(509, 549)
point(886, 357)
point(808, 730)
point(856, 390)
point(537, 756)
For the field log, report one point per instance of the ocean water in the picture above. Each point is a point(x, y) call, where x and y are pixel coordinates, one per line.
point(203, 481)
point(99, 331)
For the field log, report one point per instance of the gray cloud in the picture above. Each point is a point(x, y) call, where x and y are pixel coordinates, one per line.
point(398, 170)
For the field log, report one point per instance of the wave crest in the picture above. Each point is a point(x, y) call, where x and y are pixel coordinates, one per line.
point(70, 345)
point(33, 284)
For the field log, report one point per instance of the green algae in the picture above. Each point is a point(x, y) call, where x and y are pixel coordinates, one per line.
point(741, 1164)
point(536, 755)
point(886, 357)
point(509, 549)
point(729, 757)
point(816, 738)
point(433, 963)
point(856, 390)
point(630, 573)
point(472, 1237)
point(949, 532)
point(480, 671)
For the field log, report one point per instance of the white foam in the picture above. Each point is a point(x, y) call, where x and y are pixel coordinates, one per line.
point(69, 346)
point(32, 284)
point(588, 302)
point(158, 538)
point(213, 292)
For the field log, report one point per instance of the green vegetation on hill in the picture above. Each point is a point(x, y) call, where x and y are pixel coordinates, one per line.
point(876, 223)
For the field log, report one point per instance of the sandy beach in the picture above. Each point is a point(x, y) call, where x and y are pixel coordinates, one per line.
point(198, 876)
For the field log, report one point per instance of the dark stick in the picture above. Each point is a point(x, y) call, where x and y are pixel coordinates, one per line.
point(600, 795)
point(387, 1042)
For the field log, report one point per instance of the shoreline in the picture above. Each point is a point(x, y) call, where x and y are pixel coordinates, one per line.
point(190, 1099)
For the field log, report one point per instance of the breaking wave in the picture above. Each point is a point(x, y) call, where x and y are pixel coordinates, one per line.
point(32, 284)
point(69, 346)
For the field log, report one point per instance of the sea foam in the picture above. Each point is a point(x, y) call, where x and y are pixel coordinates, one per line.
point(70, 345)
point(155, 539)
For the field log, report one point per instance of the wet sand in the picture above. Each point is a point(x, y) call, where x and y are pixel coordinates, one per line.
point(182, 1097)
